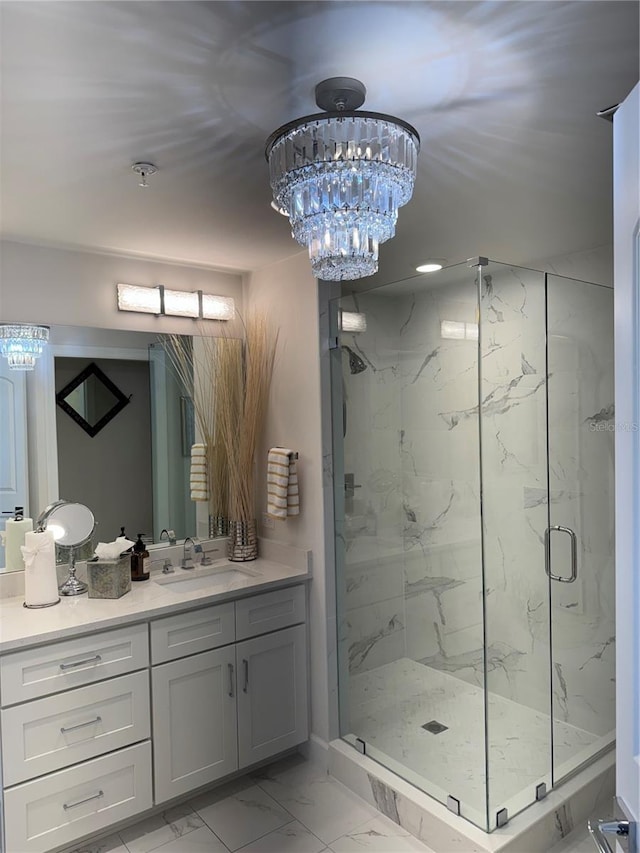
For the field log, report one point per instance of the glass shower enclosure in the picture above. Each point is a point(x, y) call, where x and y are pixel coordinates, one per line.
point(473, 440)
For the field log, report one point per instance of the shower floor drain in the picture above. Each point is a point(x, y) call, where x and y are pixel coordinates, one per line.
point(435, 727)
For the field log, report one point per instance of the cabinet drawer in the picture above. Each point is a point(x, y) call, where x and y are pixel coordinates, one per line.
point(270, 611)
point(59, 808)
point(51, 733)
point(189, 633)
point(32, 673)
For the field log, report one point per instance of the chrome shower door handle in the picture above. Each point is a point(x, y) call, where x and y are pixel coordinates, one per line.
point(574, 553)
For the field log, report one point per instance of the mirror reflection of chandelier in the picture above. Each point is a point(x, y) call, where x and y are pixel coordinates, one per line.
point(341, 176)
point(22, 343)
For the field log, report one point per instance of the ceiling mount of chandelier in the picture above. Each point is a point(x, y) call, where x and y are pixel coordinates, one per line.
point(341, 176)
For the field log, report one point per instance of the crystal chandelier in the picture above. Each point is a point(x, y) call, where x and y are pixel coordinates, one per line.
point(22, 343)
point(341, 176)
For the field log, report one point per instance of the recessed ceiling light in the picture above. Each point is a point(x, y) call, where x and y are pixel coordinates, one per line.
point(432, 265)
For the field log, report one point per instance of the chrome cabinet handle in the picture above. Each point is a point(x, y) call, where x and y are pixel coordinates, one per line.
point(97, 796)
point(230, 679)
point(598, 828)
point(64, 730)
point(574, 553)
point(245, 663)
point(94, 659)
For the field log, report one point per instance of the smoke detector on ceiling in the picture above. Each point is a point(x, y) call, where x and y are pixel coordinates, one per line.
point(144, 170)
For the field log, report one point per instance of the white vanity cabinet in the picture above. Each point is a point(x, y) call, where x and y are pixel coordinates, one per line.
point(75, 737)
point(235, 704)
point(101, 727)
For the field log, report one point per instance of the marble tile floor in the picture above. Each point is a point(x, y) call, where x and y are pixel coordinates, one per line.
point(391, 703)
point(289, 807)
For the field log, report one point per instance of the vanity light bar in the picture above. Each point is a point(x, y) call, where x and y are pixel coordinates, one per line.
point(146, 300)
point(175, 303)
point(181, 303)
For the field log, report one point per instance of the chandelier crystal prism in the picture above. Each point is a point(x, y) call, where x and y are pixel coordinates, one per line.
point(22, 343)
point(341, 176)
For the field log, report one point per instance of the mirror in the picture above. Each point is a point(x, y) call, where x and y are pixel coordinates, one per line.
point(165, 434)
point(72, 525)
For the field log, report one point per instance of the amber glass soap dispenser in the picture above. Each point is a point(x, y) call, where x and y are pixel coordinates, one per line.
point(139, 561)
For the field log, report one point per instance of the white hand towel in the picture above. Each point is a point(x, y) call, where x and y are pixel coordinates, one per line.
point(40, 579)
point(198, 476)
point(283, 499)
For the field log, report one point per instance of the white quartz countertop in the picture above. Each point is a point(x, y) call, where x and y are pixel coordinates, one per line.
point(75, 615)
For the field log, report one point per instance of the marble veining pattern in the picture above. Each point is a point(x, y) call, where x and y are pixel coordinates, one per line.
point(360, 650)
point(386, 799)
point(390, 705)
point(244, 816)
point(161, 829)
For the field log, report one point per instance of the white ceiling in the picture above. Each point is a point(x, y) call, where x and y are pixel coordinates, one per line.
point(514, 163)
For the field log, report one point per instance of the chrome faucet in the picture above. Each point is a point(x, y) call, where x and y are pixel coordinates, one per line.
point(187, 561)
point(171, 536)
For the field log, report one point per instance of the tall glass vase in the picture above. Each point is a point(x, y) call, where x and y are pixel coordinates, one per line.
point(243, 541)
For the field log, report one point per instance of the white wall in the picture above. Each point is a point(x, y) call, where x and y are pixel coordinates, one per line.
point(40, 284)
point(593, 265)
point(289, 294)
point(626, 178)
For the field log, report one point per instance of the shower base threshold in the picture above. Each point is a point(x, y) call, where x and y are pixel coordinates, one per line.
point(589, 793)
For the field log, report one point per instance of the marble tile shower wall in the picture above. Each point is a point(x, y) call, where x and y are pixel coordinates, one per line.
point(514, 482)
point(581, 471)
point(372, 630)
point(439, 450)
point(421, 478)
point(414, 581)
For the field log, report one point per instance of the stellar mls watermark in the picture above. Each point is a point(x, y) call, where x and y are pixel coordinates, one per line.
point(612, 426)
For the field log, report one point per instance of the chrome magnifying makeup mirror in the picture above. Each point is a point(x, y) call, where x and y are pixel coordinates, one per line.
point(72, 525)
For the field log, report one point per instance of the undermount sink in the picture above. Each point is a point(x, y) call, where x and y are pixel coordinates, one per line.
point(190, 580)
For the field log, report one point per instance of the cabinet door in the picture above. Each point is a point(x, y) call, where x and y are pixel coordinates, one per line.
point(194, 722)
point(272, 694)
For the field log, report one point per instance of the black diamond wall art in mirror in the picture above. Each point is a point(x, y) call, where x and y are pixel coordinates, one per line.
point(91, 399)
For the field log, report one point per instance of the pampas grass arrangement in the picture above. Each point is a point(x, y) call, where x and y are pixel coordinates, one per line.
point(196, 365)
point(229, 382)
point(243, 406)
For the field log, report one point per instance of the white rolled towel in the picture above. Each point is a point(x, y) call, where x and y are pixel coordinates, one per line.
point(198, 475)
point(40, 579)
